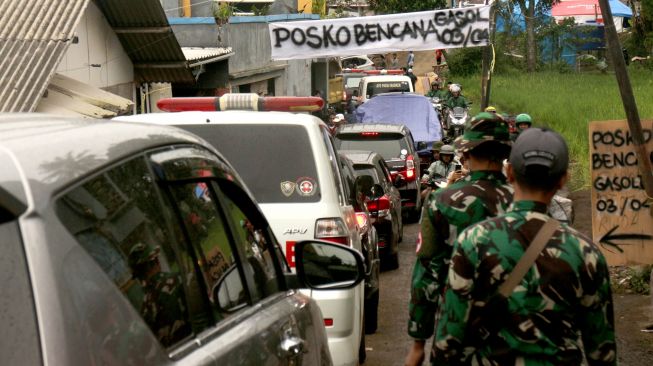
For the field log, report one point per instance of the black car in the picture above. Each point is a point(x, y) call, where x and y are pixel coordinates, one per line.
point(369, 239)
point(396, 145)
point(384, 203)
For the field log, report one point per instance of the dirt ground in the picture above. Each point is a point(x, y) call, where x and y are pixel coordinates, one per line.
point(632, 312)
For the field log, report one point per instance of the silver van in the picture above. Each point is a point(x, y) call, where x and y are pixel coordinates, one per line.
point(136, 244)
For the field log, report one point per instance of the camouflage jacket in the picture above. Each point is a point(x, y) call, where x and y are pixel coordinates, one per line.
point(565, 294)
point(164, 309)
point(447, 212)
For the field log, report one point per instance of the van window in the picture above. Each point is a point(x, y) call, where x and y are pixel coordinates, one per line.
point(118, 218)
point(275, 161)
point(388, 146)
point(375, 88)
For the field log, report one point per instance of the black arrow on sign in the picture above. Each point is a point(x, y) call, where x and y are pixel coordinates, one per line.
point(608, 238)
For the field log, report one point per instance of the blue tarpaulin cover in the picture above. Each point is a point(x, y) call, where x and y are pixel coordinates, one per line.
point(414, 111)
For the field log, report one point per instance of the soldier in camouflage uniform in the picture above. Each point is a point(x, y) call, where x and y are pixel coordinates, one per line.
point(163, 308)
point(481, 194)
point(564, 296)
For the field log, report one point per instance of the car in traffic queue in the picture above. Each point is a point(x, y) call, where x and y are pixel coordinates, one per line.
point(290, 164)
point(351, 79)
point(383, 203)
point(395, 144)
point(371, 86)
point(355, 187)
point(139, 244)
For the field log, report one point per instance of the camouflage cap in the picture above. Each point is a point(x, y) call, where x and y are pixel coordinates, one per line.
point(141, 253)
point(482, 128)
point(437, 145)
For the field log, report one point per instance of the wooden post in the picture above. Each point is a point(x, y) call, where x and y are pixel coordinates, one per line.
point(626, 90)
point(486, 80)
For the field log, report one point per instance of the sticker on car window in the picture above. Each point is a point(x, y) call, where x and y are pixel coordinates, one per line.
point(306, 186)
point(287, 188)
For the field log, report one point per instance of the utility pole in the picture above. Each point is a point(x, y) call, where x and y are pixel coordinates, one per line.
point(486, 80)
point(627, 97)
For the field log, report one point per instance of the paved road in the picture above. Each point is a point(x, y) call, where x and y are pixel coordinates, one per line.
point(389, 345)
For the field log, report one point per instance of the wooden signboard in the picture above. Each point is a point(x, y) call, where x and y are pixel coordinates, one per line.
point(622, 220)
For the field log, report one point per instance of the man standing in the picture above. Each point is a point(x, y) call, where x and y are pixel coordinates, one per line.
point(481, 194)
point(565, 294)
point(394, 62)
point(413, 78)
point(411, 59)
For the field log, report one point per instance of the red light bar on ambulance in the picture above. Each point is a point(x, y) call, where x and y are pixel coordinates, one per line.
point(243, 102)
point(374, 72)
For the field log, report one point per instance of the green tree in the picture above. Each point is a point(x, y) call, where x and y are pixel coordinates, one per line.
point(642, 37)
point(404, 6)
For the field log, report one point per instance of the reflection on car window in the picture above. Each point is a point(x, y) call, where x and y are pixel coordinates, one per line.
point(208, 235)
point(118, 219)
point(251, 236)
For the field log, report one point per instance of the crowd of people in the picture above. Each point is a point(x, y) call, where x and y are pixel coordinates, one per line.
point(496, 280)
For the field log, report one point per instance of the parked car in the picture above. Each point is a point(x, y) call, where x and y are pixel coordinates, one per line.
point(355, 186)
point(351, 80)
point(291, 166)
point(395, 144)
point(361, 62)
point(383, 202)
point(136, 244)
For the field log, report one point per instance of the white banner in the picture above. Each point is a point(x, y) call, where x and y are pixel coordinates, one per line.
point(427, 30)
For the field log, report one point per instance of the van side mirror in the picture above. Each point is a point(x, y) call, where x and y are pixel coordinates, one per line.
point(421, 145)
point(328, 266)
point(362, 187)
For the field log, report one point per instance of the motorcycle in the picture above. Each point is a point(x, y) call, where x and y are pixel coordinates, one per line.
point(456, 119)
point(438, 105)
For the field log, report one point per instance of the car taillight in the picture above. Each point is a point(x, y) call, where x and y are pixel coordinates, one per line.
point(379, 207)
point(328, 322)
point(361, 220)
point(236, 101)
point(369, 133)
point(344, 95)
point(410, 168)
point(332, 229)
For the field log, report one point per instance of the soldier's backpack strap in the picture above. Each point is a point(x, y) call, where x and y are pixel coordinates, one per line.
point(489, 319)
point(530, 256)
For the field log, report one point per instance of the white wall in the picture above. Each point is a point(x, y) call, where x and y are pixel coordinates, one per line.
point(98, 45)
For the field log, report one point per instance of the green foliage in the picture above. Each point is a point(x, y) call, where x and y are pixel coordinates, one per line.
point(404, 6)
point(566, 103)
point(319, 7)
point(263, 10)
point(631, 279)
point(465, 61)
point(222, 12)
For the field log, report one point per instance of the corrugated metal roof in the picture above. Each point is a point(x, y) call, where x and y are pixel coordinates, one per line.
point(203, 53)
point(34, 35)
point(146, 36)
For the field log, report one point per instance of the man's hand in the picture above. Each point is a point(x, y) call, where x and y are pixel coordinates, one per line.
point(416, 354)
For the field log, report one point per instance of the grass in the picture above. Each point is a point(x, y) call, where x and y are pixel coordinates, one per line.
point(565, 103)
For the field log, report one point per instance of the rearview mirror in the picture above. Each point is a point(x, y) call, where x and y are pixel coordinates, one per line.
point(228, 293)
point(399, 181)
point(328, 266)
point(421, 145)
point(377, 191)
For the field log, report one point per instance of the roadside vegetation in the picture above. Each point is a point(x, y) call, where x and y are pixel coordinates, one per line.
point(566, 102)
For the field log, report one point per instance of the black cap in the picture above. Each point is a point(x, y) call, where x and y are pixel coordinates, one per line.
point(540, 146)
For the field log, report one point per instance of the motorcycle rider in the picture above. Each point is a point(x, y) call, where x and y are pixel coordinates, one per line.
point(443, 167)
point(437, 91)
point(456, 100)
point(523, 122)
point(491, 109)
